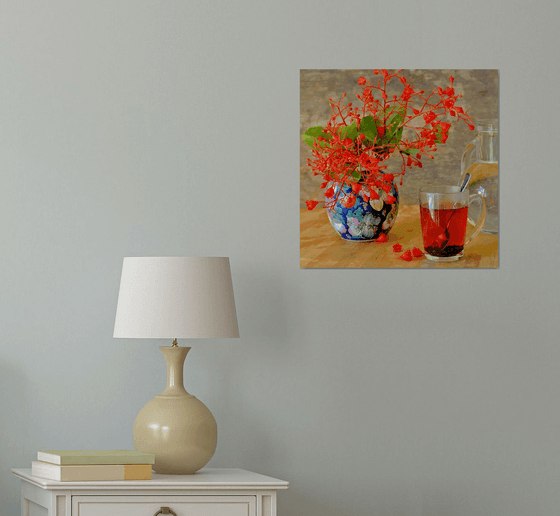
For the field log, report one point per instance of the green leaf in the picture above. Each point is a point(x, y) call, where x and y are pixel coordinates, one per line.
point(356, 175)
point(395, 137)
point(313, 133)
point(349, 131)
point(368, 127)
point(308, 139)
point(395, 123)
point(395, 127)
point(438, 134)
point(311, 141)
point(393, 131)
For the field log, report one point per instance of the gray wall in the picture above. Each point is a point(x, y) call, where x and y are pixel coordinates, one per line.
point(136, 128)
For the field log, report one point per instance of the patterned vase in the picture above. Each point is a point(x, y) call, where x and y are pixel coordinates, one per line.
point(363, 221)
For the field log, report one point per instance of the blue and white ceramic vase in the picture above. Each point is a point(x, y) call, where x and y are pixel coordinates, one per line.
point(364, 221)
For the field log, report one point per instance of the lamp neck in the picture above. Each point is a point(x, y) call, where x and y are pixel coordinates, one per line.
point(175, 359)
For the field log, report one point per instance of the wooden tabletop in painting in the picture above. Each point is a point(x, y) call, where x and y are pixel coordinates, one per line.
point(321, 247)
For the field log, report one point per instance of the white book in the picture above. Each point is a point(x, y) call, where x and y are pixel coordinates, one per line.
point(95, 457)
point(85, 472)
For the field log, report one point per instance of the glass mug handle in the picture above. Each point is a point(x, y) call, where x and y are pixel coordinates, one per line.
point(481, 216)
point(467, 159)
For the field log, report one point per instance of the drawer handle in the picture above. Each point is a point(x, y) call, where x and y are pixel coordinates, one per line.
point(165, 510)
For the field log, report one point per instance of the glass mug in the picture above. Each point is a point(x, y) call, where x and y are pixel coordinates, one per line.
point(443, 215)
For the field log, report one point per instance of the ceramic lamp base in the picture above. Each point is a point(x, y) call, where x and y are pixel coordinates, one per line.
point(175, 426)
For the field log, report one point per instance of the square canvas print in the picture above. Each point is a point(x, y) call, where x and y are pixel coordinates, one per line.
point(399, 168)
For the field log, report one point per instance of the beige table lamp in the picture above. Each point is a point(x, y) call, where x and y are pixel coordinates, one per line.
point(174, 298)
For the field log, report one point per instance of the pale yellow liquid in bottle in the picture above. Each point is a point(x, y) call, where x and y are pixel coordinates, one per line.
point(484, 181)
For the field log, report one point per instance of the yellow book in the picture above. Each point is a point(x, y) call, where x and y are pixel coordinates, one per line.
point(95, 457)
point(85, 472)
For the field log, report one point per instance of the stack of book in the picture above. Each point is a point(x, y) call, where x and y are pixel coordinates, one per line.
point(84, 465)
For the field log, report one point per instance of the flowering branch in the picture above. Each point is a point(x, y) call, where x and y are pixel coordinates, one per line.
point(354, 146)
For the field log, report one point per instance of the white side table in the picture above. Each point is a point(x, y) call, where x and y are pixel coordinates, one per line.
point(209, 492)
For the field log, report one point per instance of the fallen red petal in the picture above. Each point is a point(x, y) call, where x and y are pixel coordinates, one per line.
point(407, 255)
point(417, 252)
point(381, 238)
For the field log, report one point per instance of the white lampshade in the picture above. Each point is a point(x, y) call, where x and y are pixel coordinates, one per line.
point(176, 297)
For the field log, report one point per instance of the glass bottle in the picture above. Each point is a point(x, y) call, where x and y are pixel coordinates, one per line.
point(480, 160)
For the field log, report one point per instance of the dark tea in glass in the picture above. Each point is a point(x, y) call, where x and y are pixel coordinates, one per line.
point(443, 230)
point(444, 216)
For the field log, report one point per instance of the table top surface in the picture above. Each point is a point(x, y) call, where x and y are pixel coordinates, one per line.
point(322, 247)
point(206, 478)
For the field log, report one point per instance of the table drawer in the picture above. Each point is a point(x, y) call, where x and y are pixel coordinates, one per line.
point(150, 505)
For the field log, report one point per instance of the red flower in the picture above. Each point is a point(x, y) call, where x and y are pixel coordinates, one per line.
point(349, 201)
point(329, 193)
point(391, 199)
point(311, 204)
point(364, 160)
point(417, 252)
point(407, 92)
point(407, 255)
point(397, 248)
point(361, 81)
point(356, 187)
point(451, 79)
point(428, 117)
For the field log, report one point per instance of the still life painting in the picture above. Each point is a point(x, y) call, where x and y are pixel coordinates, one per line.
point(399, 168)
